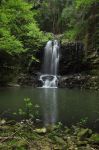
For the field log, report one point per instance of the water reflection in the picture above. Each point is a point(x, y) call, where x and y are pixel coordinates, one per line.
point(50, 105)
point(67, 106)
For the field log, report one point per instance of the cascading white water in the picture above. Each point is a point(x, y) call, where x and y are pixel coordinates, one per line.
point(50, 80)
point(50, 66)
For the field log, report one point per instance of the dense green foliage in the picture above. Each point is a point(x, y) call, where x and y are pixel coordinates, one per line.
point(29, 112)
point(77, 16)
point(75, 19)
point(50, 14)
point(21, 21)
point(19, 30)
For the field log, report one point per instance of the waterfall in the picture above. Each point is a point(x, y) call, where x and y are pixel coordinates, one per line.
point(50, 80)
point(50, 65)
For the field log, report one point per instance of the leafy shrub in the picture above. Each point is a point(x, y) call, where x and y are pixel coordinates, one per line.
point(29, 111)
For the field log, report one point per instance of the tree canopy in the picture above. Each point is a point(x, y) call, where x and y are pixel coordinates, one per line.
point(19, 31)
point(24, 23)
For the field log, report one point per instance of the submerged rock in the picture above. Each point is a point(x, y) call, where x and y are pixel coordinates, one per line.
point(13, 85)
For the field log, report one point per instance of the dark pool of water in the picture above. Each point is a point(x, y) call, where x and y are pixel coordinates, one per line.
point(67, 106)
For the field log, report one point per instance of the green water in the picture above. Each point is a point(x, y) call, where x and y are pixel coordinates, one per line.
point(67, 106)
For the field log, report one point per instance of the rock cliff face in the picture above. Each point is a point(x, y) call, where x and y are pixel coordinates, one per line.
point(71, 62)
point(74, 69)
point(71, 58)
point(78, 70)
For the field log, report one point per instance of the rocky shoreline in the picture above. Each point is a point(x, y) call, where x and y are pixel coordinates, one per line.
point(25, 135)
point(81, 81)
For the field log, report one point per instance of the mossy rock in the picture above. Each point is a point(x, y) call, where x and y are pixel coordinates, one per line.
point(59, 140)
point(14, 144)
point(41, 130)
point(82, 143)
point(84, 133)
point(95, 138)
